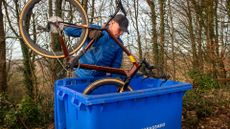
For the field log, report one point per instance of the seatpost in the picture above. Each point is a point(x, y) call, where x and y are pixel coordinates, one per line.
point(75, 61)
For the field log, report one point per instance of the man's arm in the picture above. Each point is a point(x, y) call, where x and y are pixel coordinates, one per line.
point(117, 62)
point(76, 32)
point(73, 31)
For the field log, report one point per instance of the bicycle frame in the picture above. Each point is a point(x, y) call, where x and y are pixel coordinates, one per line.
point(127, 73)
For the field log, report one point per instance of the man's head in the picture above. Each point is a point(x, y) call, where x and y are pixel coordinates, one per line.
point(118, 25)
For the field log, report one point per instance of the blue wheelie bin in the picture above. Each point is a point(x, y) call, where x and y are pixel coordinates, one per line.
point(153, 104)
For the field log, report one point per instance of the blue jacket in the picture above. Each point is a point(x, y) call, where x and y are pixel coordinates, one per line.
point(104, 52)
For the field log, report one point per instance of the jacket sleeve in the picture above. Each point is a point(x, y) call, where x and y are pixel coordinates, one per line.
point(118, 59)
point(76, 32)
point(117, 63)
point(73, 31)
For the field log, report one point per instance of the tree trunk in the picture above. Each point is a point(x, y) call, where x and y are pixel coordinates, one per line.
point(172, 40)
point(136, 4)
point(199, 40)
point(210, 38)
point(3, 74)
point(84, 4)
point(228, 8)
point(219, 57)
point(192, 37)
point(92, 12)
point(28, 64)
point(162, 32)
point(55, 67)
point(154, 32)
point(197, 5)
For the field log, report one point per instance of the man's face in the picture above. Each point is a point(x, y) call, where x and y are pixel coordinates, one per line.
point(115, 29)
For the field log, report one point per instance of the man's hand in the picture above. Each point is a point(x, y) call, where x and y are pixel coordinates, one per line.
point(95, 34)
point(55, 24)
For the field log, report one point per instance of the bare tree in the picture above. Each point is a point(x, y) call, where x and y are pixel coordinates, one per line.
point(154, 31)
point(210, 36)
point(92, 11)
point(27, 60)
point(228, 7)
point(192, 36)
point(199, 24)
point(84, 4)
point(172, 40)
point(55, 66)
point(3, 75)
point(162, 32)
point(136, 27)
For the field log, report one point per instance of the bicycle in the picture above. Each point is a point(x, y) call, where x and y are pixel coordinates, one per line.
point(72, 11)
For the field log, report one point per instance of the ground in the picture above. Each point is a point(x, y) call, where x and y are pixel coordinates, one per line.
point(217, 116)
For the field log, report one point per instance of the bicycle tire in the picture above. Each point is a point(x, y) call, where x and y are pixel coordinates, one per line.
point(34, 10)
point(99, 83)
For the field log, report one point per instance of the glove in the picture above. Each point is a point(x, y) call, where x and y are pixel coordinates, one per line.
point(95, 34)
point(54, 24)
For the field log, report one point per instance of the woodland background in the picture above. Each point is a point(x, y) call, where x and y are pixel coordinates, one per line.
point(190, 39)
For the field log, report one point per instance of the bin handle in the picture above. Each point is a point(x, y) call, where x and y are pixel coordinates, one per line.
point(61, 95)
point(79, 105)
point(75, 102)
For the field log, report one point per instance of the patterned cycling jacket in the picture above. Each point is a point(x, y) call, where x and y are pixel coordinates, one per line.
point(103, 52)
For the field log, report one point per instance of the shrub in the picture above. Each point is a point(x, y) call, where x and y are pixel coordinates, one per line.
point(29, 112)
point(202, 81)
point(4, 107)
point(196, 107)
point(26, 113)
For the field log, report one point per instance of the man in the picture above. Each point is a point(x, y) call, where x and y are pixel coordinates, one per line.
point(104, 51)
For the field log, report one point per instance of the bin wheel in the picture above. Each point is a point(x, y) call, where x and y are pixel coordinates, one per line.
point(107, 81)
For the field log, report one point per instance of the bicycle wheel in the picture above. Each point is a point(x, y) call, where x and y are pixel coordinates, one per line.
point(34, 20)
point(103, 82)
